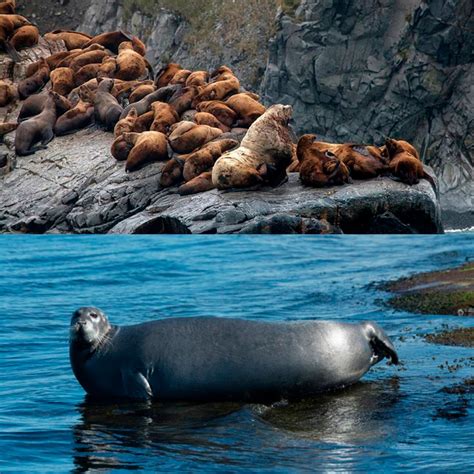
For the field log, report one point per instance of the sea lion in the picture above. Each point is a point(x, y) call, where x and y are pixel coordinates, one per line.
point(127, 124)
point(120, 148)
point(183, 98)
point(217, 359)
point(38, 129)
point(224, 83)
point(75, 53)
point(7, 127)
point(80, 116)
point(140, 92)
point(35, 104)
point(72, 39)
point(62, 80)
point(220, 110)
point(186, 137)
point(164, 75)
point(8, 24)
point(319, 167)
point(147, 147)
point(181, 77)
point(112, 41)
point(7, 7)
point(143, 123)
point(36, 82)
point(164, 116)
point(172, 172)
point(130, 64)
point(25, 37)
point(264, 155)
point(53, 62)
point(91, 57)
point(107, 108)
point(8, 93)
point(393, 147)
point(197, 78)
point(247, 109)
point(205, 118)
point(199, 184)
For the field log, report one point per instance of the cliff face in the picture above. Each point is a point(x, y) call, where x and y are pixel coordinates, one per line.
point(354, 71)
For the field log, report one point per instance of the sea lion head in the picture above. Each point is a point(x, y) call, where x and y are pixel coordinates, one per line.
point(89, 327)
point(281, 113)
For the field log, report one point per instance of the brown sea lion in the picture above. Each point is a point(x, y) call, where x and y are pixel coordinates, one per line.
point(72, 39)
point(130, 64)
point(91, 57)
point(172, 172)
point(200, 184)
point(25, 37)
point(35, 104)
point(143, 123)
point(183, 98)
point(247, 109)
point(8, 25)
point(264, 155)
point(147, 147)
point(164, 75)
point(85, 92)
point(7, 7)
point(107, 108)
point(7, 127)
point(197, 78)
point(319, 167)
point(52, 61)
point(37, 130)
point(86, 73)
point(75, 53)
point(62, 80)
point(8, 93)
point(205, 118)
point(120, 149)
point(164, 116)
point(112, 41)
point(394, 147)
point(203, 159)
point(140, 92)
point(224, 83)
point(127, 124)
point(36, 82)
point(181, 77)
point(186, 137)
point(220, 110)
point(81, 116)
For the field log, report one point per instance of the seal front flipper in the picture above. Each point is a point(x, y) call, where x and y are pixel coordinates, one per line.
point(135, 385)
point(380, 343)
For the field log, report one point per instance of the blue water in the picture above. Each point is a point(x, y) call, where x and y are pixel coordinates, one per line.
point(392, 420)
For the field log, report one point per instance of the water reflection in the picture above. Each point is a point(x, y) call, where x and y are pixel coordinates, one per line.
point(120, 435)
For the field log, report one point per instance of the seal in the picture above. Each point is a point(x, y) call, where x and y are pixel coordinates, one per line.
point(35, 104)
point(164, 116)
point(127, 124)
point(215, 359)
point(166, 74)
point(7, 7)
point(113, 39)
point(25, 37)
point(264, 155)
point(62, 80)
point(8, 92)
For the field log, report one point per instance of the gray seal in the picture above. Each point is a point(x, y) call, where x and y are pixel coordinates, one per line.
point(212, 359)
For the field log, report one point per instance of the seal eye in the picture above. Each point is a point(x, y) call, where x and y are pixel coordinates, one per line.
point(94, 315)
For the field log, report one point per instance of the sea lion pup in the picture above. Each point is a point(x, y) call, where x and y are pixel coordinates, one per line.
point(318, 167)
point(205, 118)
point(161, 95)
point(38, 129)
point(203, 159)
point(35, 104)
point(7, 127)
point(263, 156)
point(221, 359)
point(164, 116)
point(72, 39)
point(112, 41)
point(91, 57)
point(62, 80)
point(127, 124)
point(186, 137)
point(224, 83)
point(140, 92)
point(7, 7)
point(8, 93)
point(81, 116)
point(165, 74)
point(120, 149)
point(36, 82)
point(181, 77)
point(130, 64)
point(197, 78)
point(25, 37)
point(183, 98)
point(147, 147)
point(107, 108)
point(247, 109)
point(220, 110)
point(199, 184)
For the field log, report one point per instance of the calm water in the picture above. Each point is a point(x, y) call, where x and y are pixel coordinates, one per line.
point(394, 419)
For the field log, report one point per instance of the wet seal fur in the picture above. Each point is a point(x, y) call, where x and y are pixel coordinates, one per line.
point(263, 157)
point(214, 359)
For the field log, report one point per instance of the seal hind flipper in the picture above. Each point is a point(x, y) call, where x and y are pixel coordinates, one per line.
point(381, 344)
point(136, 385)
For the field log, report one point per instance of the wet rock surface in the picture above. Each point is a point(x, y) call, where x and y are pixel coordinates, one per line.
point(456, 337)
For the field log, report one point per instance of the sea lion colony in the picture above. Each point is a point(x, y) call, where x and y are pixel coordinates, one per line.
point(205, 127)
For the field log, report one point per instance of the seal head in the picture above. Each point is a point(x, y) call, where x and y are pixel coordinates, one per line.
point(89, 328)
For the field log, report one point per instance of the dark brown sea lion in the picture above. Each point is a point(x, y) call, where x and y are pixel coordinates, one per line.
point(164, 75)
point(112, 41)
point(172, 172)
point(37, 130)
point(186, 137)
point(62, 80)
point(107, 108)
point(72, 39)
point(35, 104)
point(31, 85)
point(25, 37)
point(81, 116)
point(147, 147)
point(220, 110)
point(264, 155)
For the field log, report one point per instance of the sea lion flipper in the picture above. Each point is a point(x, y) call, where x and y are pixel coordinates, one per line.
point(136, 385)
point(380, 343)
